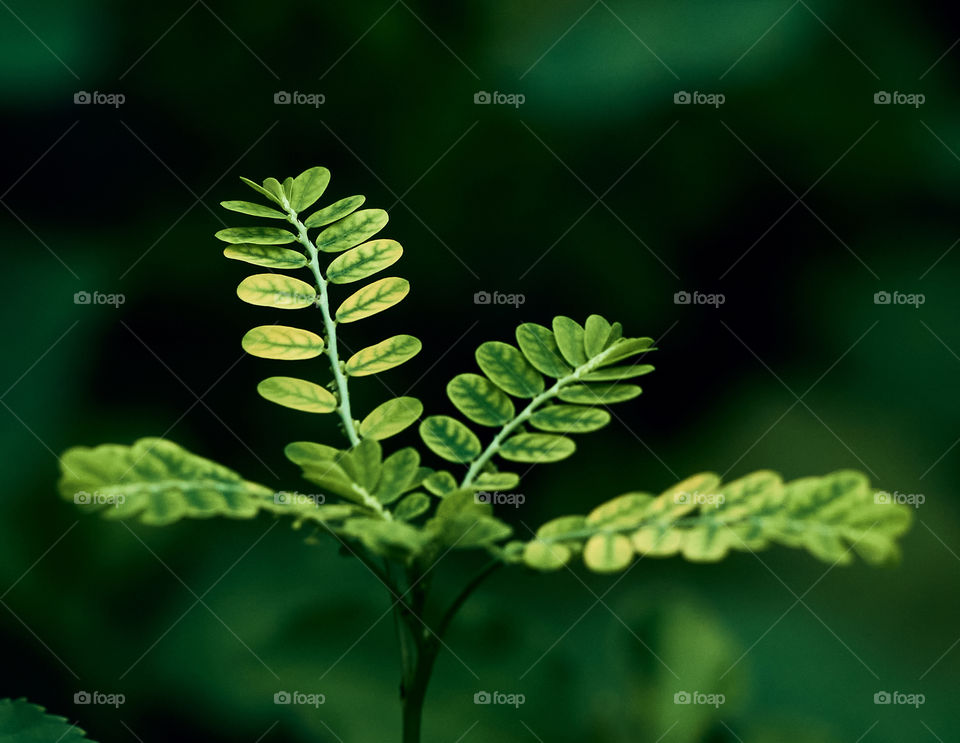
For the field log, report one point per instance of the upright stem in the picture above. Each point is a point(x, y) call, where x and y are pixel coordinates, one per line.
point(330, 325)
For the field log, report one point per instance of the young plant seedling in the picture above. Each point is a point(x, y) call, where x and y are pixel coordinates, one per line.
point(401, 517)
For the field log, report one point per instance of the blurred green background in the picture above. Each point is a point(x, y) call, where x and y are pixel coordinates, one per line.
point(597, 194)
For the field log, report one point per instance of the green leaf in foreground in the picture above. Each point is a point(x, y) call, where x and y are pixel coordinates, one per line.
point(337, 210)
point(298, 394)
point(282, 342)
point(449, 438)
point(480, 400)
point(157, 482)
point(256, 235)
point(536, 447)
point(254, 210)
point(351, 230)
point(508, 369)
point(373, 298)
point(391, 417)
point(267, 256)
point(307, 187)
point(383, 356)
point(363, 261)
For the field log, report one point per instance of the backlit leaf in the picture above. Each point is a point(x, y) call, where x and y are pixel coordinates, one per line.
point(256, 235)
point(383, 356)
point(540, 347)
point(298, 394)
point(363, 261)
point(508, 369)
point(536, 447)
point(254, 210)
point(569, 419)
point(569, 336)
point(449, 438)
point(397, 475)
point(480, 400)
point(276, 290)
point(546, 556)
point(262, 191)
point(373, 298)
point(598, 394)
point(267, 256)
point(351, 230)
point(336, 210)
point(496, 481)
point(440, 483)
point(307, 188)
point(607, 553)
point(391, 417)
point(596, 334)
point(625, 348)
point(412, 506)
point(282, 342)
point(612, 373)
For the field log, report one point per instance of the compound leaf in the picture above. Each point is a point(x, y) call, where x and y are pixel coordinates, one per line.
point(351, 230)
point(307, 187)
point(298, 394)
point(282, 342)
point(383, 356)
point(391, 418)
point(276, 290)
point(569, 419)
point(254, 210)
point(364, 260)
point(256, 235)
point(449, 438)
point(508, 369)
point(157, 482)
point(536, 447)
point(266, 256)
point(480, 400)
point(540, 347)
point(373, 298)
point(336, 210)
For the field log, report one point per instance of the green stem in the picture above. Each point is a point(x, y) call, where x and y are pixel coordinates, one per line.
point(330, 325)
point(494, 446)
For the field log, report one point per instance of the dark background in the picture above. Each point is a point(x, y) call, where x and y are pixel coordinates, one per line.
point(598, 194)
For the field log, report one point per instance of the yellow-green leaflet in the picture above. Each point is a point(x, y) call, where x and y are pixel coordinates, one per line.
point(282, 342)
point(363, 261)
point(480, 400)
point(508, 369)
point(449, 438)
point(336, 210)
point(540, 347)
point(391, 417)
point(267, 256)
point(607, 553)
point(569, 334)
point(382, 356)
point(306, 188)
point(569, 419)
point(254, 210)
point(596, 333)
point(373, 298)
point(274, 290)
point(298, 394)
point(351, 230)
point(256, 235)
point(536, 447)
